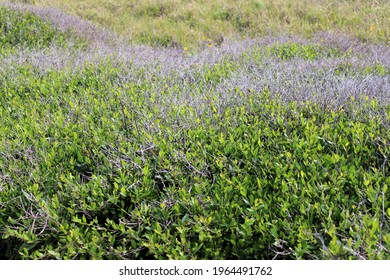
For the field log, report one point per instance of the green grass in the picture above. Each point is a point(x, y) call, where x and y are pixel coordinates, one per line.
point(198, 24)
point(19, 30)
point(147, 154)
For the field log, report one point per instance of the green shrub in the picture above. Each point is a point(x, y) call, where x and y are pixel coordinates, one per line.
point(158, 159)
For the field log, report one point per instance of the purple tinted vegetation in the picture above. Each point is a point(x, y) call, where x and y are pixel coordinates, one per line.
point(342, 68)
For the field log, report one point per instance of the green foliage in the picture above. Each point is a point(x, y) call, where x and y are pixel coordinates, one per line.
point(377, 69)
point(293, 50)
point(25, 30)
point(84, 179)
point(92, 167)
point(19, 29)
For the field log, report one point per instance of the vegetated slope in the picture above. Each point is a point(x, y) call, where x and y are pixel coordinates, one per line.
point(261, 149)
point(192, 24)
point(25, 30)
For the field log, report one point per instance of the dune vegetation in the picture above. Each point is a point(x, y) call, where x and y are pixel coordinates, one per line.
point(179, 131)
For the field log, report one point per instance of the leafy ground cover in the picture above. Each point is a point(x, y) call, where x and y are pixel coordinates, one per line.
point(271, 148)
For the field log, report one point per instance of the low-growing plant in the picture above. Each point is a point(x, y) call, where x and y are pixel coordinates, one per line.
point(255, 151)
point(25, 30)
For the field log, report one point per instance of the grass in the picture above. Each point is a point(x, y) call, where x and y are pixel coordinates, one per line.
point(198, 24)
point(267, 148)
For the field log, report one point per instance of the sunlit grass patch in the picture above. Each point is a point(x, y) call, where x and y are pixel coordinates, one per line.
point(190, 21)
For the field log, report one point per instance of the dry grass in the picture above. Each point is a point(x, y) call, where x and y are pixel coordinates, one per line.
point(201, 23)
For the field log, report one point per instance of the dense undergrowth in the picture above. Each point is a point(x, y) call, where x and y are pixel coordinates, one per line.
point(268, 149)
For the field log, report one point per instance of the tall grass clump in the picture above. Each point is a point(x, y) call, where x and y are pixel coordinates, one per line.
point(269, 148)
